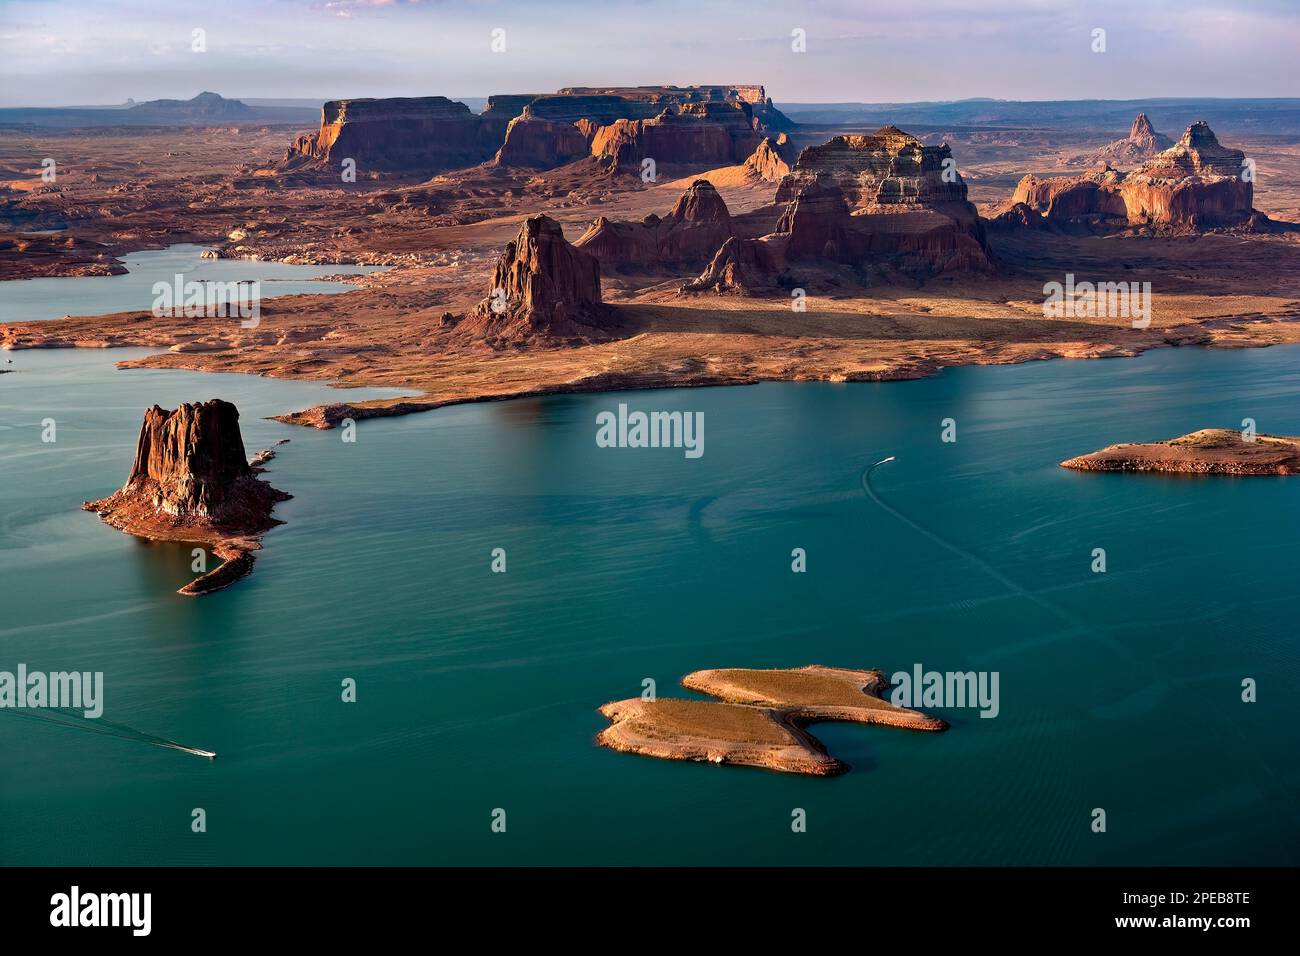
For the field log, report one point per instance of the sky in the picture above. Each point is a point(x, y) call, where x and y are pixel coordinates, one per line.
point(77, 52)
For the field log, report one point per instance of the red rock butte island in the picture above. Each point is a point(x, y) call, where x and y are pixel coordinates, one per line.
point(192, 482)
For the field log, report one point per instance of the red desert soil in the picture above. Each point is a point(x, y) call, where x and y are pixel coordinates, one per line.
point(761, 720)
point(1210, 451)
point(443, 237)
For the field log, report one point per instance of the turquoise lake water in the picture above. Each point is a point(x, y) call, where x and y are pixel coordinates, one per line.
point(479, 691)
point(27, 300)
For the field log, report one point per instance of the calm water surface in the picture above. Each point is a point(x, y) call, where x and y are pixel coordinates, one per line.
point(27, 300)
point(479, 690)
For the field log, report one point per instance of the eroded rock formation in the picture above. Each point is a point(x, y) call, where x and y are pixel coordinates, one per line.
point(882, 203)
point(883, 199)
point(691, 233)
point(1141, 144)
point(670, 139)
point(697, 126)
point(543, 288)
point(1195, 184)
point(771, 159)
point(693, 127)
point(191, 481)
point(425, 134)
point(743, 266)
point(534, 142)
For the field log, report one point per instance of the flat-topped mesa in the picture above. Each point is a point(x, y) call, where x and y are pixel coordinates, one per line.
point(689, 235)
point(422, 135)
point(767, 116)
point(1193, 185)
point(1210, 451)
point(694, 134)
point(1142, 143)
point(532, 141)
point(883, 199)
point(191, 481)
point(543, 290)
point(622, 126)
point(205, 105)
point(555, 129)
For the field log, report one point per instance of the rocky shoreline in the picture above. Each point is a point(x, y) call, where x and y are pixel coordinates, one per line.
point(1210, 451)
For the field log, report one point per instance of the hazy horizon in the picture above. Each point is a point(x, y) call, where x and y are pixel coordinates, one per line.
point(78, 52)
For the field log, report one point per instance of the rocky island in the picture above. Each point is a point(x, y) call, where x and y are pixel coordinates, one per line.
point(1210, 451)
point(191, 482)
point(760, 720)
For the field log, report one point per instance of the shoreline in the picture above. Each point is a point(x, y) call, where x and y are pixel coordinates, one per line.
point(329, 415)
point(1209, 451)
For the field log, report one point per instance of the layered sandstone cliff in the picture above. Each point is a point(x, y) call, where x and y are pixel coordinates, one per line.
point(192, 482)
point(425, 134)
point(543, 289)
point(766, 117)
point(1196, 184)
point(533, 142)
point(882, 204)
point(697, 126)
point(623, 126)
point(883, 198)
point(689, 234)
point(696, 134)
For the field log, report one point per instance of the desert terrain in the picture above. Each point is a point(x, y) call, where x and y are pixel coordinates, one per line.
point(120, 190)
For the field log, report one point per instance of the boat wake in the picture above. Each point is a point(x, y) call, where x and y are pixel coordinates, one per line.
point(73, 720)
point(1149, 694)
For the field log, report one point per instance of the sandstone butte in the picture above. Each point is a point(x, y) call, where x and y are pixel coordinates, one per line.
point(1141, 144)
point(1210, 451)
point(618, 127)
point(760, 719)
point(191, 482)
point(692, 231)
point(543, 288)
point(1195, 184)
point(427, 133)
point(882, 203)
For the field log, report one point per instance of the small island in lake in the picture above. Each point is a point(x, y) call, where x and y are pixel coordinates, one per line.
point(760, 720)
point(192, 482)
point(1210, 451)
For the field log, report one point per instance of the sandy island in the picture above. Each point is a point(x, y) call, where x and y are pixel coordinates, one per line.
point(760, 721)
point(1210, 451)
